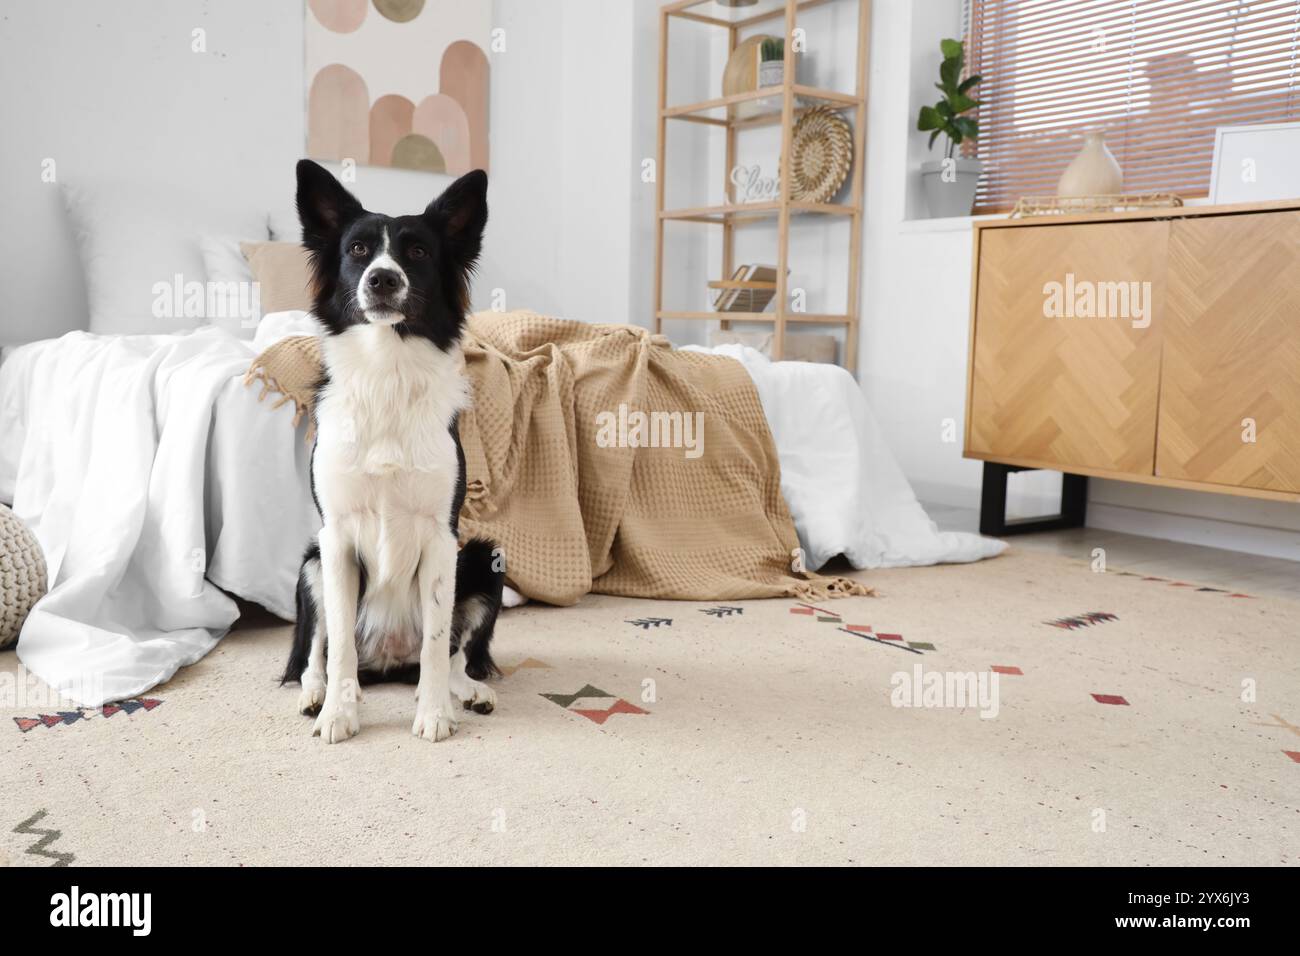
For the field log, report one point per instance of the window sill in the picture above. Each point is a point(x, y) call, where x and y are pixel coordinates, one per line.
point(950, 224)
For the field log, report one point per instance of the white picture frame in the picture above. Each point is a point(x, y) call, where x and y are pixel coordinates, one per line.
point(1255, 163)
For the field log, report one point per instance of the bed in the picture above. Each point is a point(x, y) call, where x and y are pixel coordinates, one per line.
point(160, 486)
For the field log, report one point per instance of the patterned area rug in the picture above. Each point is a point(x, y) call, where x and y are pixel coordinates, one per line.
point(1022, 710)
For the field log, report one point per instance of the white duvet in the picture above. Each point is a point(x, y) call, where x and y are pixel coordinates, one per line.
point(156, 482)
point(846, 491)
point(153, 479)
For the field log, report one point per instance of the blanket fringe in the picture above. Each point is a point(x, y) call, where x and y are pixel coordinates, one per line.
point(301, 360)
point(823, 588)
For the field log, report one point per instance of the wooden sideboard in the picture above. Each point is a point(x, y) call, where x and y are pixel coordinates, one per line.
point(1149, 346)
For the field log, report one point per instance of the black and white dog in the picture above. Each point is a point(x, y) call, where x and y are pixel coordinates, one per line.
point(383, 593)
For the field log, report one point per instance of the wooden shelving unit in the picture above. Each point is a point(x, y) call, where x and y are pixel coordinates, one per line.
point(789, 100)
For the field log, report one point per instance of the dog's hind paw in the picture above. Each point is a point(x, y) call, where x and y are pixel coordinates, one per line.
point(478, 697)
point(433, 723)
point(311, 698)
point(338, 720)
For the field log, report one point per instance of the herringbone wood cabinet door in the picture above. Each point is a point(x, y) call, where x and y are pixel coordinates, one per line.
point(1232, 352)
point(1066, 391)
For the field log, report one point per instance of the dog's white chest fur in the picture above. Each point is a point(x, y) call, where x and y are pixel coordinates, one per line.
point(386, 469)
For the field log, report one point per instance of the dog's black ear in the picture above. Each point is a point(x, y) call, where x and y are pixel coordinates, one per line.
point(324, 207)
point(460, 214)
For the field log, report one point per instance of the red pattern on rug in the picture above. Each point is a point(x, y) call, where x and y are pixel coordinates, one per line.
point(64, 718)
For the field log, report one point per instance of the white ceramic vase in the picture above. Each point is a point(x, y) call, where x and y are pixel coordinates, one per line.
point(1093, 172)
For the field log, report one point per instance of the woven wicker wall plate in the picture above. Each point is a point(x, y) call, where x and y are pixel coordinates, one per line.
point(821, 154)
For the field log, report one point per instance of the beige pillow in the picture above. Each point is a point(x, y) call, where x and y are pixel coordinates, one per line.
point(282, 272)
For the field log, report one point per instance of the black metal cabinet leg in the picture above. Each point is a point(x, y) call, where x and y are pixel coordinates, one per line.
point(993, 503)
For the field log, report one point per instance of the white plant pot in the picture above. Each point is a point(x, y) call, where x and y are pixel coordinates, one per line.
point(771, 73)
point(950, 185)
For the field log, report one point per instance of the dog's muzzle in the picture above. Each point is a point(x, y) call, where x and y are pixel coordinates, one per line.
point(382, 294)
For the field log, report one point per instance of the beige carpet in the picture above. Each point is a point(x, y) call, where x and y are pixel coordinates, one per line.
point(759, 735)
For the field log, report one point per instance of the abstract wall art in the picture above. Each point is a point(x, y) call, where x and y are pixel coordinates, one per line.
point(401, 83)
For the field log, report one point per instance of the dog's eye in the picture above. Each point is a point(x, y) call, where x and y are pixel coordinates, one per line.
point(358, 249)
point(417, 252)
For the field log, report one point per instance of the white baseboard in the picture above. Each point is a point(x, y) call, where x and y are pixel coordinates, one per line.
point(1022, 502)
point(1190, 529)
point(953, 496)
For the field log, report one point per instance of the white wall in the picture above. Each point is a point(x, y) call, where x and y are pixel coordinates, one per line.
point(572, 97)
point(915, 284)
point(114, 92)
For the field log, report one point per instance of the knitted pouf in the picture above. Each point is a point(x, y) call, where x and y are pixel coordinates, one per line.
point(22, 576)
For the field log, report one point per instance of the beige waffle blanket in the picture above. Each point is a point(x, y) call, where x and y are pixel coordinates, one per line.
point(555, 477)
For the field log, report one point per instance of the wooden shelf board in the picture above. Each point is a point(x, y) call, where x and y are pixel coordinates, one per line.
point(742, 212)
point(803, 317)
point(695, 112)
point(830, 96)
point(780, 11)
point(684, 9)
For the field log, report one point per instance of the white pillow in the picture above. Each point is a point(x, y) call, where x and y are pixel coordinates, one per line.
point(224, 264)
point(140, 252)
point(223, 260)
point(285, 225)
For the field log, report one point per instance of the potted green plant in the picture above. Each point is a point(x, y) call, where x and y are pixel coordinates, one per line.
point(771, 62)
point(950, 183)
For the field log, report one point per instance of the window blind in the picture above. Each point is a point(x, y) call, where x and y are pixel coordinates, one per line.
point(1157, 76)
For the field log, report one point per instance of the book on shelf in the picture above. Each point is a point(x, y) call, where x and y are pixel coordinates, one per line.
point(750, 289)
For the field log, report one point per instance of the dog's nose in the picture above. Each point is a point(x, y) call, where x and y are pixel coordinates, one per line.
point(384, 281)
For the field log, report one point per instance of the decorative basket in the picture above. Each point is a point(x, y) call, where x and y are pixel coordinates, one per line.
point(821, 153)
point(1070, 205)
point(22, 576)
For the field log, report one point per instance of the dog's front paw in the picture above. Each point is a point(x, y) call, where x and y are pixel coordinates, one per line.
point(338, 720)
point(433, 723)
